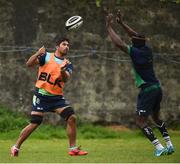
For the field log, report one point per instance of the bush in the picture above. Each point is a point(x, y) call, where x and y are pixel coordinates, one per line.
point(10, 120)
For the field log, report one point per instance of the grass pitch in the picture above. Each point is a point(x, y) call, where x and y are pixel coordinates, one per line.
point(49, 144)
point(126, 149)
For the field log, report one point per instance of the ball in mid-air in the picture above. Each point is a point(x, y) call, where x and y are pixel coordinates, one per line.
point(74, 22)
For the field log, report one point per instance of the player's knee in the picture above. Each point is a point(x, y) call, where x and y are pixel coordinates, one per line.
point(159, 122)
point(141, 121)
point(138, 124)
point(72, 119)
point(68, 113)
point(36, 119)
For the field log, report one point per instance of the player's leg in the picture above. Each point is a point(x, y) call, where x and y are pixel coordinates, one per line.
point(144, 109)
point(161, 124)
point(36, 119)
point(38, 107)
point(141, 121)
point(67, 113)
point(69, 116)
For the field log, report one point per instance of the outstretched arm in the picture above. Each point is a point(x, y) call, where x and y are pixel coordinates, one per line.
point(114, 37)
point(33, 60)
point(128, 29)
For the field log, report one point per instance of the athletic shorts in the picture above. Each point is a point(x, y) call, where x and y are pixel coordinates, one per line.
point(149, 102)
point(43, 103)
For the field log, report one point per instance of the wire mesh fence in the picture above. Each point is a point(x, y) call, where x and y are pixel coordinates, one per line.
point(101, 85)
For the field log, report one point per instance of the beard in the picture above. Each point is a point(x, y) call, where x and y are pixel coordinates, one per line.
point(64, 52)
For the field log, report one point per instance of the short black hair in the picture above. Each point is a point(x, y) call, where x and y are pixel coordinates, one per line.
point(61, 39)
point(138, 40)
point(140, 36)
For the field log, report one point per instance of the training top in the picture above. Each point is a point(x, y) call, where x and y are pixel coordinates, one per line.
point(49, 81)
point(142, 62)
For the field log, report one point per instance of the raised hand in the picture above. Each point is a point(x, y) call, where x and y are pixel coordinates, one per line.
point(109, 19)
point(33, 60)
point(64, 65)
point(41, 51)
point(119, 16)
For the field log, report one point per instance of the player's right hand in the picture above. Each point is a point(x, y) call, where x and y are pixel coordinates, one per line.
point(41, 51)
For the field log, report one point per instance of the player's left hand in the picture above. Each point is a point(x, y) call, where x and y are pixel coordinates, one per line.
point(64, 65)
point(109, 19)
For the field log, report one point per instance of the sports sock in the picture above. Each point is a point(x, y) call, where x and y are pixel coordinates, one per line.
point(162, 128)
point(16, 147)
point(72, 148)
point(157, 144)
point(168, 141)
point(150, 135)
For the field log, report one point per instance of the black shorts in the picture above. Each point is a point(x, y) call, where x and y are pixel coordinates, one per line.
point(149, 102)
point(43, 103)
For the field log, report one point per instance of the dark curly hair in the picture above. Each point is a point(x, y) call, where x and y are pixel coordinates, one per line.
point(61, 39)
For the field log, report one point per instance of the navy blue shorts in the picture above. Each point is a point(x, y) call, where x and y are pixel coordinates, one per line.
point(149, 102)
point(43, 103)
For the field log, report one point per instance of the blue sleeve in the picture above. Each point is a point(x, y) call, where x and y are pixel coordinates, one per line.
point(42, 59)
point(69, 68)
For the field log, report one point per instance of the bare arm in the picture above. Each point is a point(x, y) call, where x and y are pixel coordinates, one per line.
point(65, 75)
point(128, 29)
point(33, 60)
point(114, 37)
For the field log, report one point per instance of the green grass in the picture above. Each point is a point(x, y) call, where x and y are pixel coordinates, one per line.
point(11, 120)
point(125, 150)
point(49, 144)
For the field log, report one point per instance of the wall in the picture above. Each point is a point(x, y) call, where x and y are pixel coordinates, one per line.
point(102, 88)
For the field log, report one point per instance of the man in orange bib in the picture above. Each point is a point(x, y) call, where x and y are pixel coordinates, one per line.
point(54, 71)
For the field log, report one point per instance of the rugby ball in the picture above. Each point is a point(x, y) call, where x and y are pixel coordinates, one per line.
point(74, 22)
